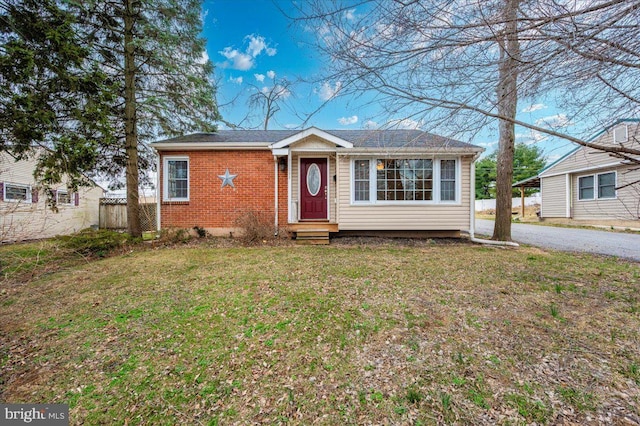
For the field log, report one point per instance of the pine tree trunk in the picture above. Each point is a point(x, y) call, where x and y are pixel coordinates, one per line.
point(131, 131)
point(507, 92)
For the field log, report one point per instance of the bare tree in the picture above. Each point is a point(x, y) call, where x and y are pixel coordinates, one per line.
point(462, 65)
point(269, 99)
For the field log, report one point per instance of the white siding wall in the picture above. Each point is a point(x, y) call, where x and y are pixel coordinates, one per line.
point(23, 221)
point(434, 217)
point(585, 158)
point(626, 205)
point(587, 161)
point(554, 196)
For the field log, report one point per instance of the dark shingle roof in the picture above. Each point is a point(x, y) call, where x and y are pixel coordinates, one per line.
point(359, 138)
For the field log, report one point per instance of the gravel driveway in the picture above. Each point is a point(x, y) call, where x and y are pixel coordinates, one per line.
point(570, 239)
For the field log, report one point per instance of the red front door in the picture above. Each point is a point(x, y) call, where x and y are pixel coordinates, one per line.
point(313, 189)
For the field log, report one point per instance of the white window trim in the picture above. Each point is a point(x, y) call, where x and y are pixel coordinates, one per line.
point(17, 185)
point(165, 178)
point(64, 191)
point(373, 184)
point(596, 186)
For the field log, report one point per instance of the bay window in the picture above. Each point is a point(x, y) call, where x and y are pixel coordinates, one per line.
point(405, 180)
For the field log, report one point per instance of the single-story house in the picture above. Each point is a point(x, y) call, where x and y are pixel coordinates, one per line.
point(347, 181)
point(591, 184)
point(24, 213)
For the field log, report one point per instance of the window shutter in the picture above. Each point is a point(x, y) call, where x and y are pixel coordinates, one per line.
point(76, 199)
point(34, 195)
point(2, 191)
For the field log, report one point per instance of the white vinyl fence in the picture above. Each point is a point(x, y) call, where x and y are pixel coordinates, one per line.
point(517, 201)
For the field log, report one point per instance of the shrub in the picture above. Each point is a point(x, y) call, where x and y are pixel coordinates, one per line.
point(175, 235)
point(256, 227)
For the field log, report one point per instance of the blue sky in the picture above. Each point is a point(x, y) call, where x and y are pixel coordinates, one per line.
point(252, 45)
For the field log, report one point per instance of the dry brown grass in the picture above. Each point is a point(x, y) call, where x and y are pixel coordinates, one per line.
point(361, 332)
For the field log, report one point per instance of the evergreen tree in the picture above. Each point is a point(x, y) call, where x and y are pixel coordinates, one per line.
point(154, 51)
point(54, 99)
point(528, 160)
point(91, 82)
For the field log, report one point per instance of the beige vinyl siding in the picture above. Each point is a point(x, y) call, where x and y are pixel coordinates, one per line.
point(24, 221)
point(587, 158)
point(295, 182)
point(626, 205)
point(554, 196)
point(402, 217)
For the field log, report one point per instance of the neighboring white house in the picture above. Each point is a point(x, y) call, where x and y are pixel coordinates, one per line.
point(592, 184)
point(24, 214)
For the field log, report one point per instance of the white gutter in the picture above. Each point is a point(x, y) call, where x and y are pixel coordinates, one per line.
point(193, 146)
point(158, 194)
point(275, 169)
point(472, 197)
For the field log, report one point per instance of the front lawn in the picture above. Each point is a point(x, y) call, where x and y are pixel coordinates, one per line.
point(391, 333)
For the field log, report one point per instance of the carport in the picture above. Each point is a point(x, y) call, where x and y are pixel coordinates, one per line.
point(532, 182)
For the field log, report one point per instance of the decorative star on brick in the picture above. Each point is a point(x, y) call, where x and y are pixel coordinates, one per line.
point(227, 179)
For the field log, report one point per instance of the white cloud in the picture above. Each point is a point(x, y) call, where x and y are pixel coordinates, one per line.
point(534, 107)
point(271, 74)
point(350, 14)
point(554, 121)
point(236, 59)
point(345, 121)
point(370, 124)
point(327, 91)
point(259, 77)
point(531, 137)
point(488, 144)
point(406, 123)
point(237, 80)
point(205, 57)
point(281, 92)
point(257, 45)
point(243, 61)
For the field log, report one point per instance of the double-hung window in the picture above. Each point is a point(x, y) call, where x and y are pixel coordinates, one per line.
point(176, 179)
point(16, 193)
point(600, 186)
point(63, 197)
point(361, 184)
point(405, 180)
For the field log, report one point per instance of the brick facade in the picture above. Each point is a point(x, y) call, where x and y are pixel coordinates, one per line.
point(215, 208)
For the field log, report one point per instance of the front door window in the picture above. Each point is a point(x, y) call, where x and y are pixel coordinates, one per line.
point(313, 179)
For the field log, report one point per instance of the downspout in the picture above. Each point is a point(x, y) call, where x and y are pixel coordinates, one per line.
point(472, 213)
point(472, 196)
point(158, 193)
point(275, 169)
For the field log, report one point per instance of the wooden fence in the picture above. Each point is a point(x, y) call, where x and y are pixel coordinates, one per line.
point(113, 214)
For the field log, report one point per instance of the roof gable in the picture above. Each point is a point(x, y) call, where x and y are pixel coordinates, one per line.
point(583, 157)
point(312, 131)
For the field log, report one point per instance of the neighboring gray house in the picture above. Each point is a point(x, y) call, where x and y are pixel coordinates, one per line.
point(589, 184)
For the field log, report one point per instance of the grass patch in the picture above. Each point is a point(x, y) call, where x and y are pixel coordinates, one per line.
point(427, 333)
